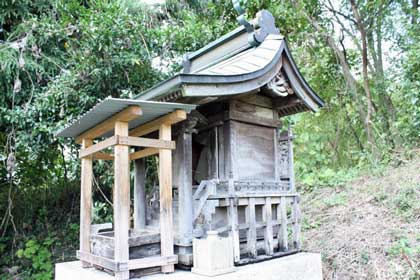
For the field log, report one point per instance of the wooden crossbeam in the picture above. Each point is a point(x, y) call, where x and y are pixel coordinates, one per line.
point(169, 119)
point(124, 266)
point(103, 156)
point(111, 141)
point(146, 142)
point(144, 153)
point(127, 141)
point(128, 114)
point(152, 262)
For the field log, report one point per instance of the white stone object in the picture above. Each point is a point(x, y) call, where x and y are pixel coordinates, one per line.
point(212, 255)
point(302, 266)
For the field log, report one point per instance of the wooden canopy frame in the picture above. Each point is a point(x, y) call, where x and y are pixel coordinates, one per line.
point(121, 141)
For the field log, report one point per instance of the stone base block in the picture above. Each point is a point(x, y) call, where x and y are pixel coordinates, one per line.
point(302, 266)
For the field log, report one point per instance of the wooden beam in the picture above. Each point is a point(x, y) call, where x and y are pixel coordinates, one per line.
point(144, 153)
point(152, 262)
point(128, 114)
point(165, 191)
point(87, 151)
point(169, 119)
point(103, 156)
point(146, 142)
point(86, 201)
point(121, 200)
point(98, 260)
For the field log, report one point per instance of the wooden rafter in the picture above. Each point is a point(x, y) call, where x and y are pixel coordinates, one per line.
point(128, 114)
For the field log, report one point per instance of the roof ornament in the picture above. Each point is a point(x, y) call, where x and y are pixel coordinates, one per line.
point(259, 28)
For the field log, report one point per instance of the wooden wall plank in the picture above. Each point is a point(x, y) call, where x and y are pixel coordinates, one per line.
point(165, 189)
point(86, 201)
point(126, 115)
point(121, 200)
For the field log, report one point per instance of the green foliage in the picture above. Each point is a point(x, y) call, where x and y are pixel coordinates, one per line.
point(40, 258)
point(58, 58)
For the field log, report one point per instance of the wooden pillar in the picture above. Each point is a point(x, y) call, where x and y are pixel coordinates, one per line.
point(165, 191)
point(252, 230)
point(233, 217)
point(268, 233)
point(139, 194)
point(296, 223)
point(86, 201)
point(183, 165)
point(121, 200)
point(282, 234)
point(291, 162)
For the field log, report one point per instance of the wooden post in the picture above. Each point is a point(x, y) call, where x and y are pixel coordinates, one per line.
point(165, 190)
point(139, 194)
point(268, 233)
point(183, 172)
point(233, 217)
point(296, 223)
point(291, 163)
point(121, 200)
point(86, 201)
point(282, 234)
point(252, 230)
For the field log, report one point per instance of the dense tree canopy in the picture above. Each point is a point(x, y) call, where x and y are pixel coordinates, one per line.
point(58, 58)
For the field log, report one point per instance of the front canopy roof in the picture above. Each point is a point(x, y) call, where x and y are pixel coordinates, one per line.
point(111, 106)
point(232, 65)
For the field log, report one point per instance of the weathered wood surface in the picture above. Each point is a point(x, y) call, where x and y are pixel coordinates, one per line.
point(85, 201)
point(282, 215)
point(233, 221)
point(139, 191)
point(252, 230)
point(253, 152)
point(121, 200)
point(296, 216)
point(268, 233)
point(126, 115)
point(182, 173)
point(165, 195)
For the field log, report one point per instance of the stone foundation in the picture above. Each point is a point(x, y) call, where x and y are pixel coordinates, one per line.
point(302, 266)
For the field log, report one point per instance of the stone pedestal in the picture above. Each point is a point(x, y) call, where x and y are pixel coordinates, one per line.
point(302, 266)
point(213, 255)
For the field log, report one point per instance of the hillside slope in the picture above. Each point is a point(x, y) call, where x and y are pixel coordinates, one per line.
point(369, 228)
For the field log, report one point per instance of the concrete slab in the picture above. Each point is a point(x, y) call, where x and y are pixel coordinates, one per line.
point(302, 266)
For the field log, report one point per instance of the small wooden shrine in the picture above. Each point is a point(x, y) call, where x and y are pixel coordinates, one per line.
point(225, 160)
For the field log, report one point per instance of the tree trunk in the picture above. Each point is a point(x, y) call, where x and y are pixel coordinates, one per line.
point(369, 112)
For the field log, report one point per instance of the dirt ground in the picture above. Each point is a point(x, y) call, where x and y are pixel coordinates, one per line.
point(369, 228)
